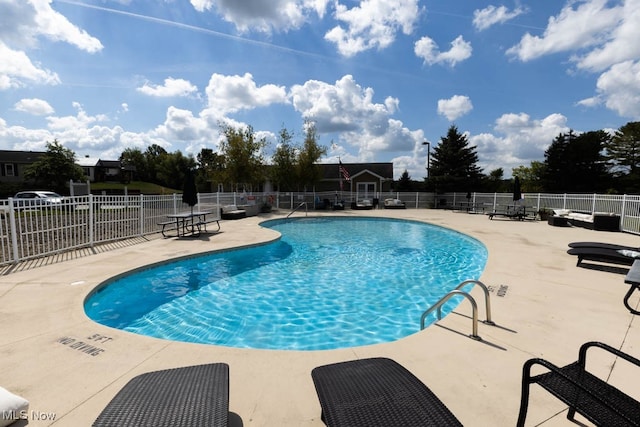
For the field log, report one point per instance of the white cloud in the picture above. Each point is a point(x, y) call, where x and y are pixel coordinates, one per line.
point(454, 107)
point(491, 15)
point(427, 49)
point(264, 15)
point(172, 87)
point(182, 125)
point(16, 69)
point(37, 107)
point(372, 24)
point(590, 102)
point(23, 22)
point(620, 89)
point(229, 94)
point(523, 139)
point(621, 41)
point(57, 27)
point(347, 109)
point(585, 26)
point(80, 121)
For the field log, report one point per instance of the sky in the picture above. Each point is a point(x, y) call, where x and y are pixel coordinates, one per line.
point(378, 78)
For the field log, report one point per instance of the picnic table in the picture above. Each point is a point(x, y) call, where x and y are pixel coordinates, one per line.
point(188, 223)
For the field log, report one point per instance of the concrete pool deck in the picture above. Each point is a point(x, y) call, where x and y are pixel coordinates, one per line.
point(543, 305)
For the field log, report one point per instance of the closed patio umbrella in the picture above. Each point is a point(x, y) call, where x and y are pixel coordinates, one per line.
point(517, 192)
point(189, 191)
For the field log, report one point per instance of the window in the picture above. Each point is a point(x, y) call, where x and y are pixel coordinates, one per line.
point(9, 169)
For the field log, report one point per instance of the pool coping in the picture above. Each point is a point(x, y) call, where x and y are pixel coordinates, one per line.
point(67, 365)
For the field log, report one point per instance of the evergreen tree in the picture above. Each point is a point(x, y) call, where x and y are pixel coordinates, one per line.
point(623, 155)
point(454, 164)
point(623, 150)
point(404, 183)
point(574, 163)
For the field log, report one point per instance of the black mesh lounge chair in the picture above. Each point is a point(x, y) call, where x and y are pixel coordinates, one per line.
point(603, 245)
point(377, 392)
point(190, 396)
point(602, 255)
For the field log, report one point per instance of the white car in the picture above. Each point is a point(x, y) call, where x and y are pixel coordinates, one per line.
point(37, 199)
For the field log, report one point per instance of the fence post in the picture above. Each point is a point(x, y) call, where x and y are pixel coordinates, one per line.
point(91, 221)
point(14, 231)
point(141, 214)
point(623, 210)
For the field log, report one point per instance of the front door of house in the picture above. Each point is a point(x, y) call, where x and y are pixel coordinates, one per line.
point(366, 190)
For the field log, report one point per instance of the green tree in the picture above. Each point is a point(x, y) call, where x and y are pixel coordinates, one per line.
point(575, 163)
point(309, 172)
point(494, 181)
point(172, 169)
point(210, 167)
point(153, 157)
point(405, 183)
point(55, 168)
point(135, 158)
point(454, 164)
point(243, 156)
point(530, 176)
point(283, 171)
point(623, 150)
point(556, 164)
point(623, 156)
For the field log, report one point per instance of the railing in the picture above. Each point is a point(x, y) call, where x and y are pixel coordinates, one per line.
point(32, 231)
point(306, 209)
point(474, 306)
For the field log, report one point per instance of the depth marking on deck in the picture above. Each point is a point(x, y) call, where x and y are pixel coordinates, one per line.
point(84, 346)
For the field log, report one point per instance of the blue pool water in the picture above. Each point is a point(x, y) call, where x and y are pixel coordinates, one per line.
point(327, 283)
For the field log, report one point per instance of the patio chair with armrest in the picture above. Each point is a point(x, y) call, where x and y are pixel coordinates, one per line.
point(596, 399)
point(377, 392)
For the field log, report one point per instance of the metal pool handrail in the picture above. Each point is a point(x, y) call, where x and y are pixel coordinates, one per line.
point(298, 207)
point(474, 306)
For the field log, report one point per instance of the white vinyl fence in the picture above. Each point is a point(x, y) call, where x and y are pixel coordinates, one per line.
point(32, 231)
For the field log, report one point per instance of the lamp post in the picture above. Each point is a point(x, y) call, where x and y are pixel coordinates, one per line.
point(428, 144)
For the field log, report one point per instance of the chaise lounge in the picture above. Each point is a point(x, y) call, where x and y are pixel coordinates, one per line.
point(603, 254)
point(377, 392)
point(603, 245)
point(189, 396)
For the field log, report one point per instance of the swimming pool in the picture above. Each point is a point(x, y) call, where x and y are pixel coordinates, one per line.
point(329, 282)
